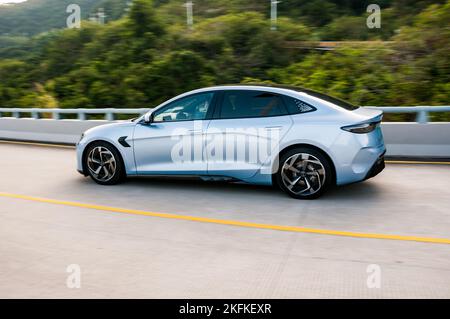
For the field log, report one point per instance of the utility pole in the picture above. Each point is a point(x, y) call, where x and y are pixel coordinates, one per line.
point(273, 14)
point(128, 6)
point(101, 16)
point(189, 13)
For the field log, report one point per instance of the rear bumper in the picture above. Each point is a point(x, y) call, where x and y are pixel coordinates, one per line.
point(377, 167)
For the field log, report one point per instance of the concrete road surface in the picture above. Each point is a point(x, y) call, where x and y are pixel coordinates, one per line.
point(130, 255)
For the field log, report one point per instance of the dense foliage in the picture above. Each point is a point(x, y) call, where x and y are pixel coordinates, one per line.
point(148, 55)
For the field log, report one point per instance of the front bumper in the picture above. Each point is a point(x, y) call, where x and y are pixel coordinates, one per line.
point(80, 149)
point(377, 167)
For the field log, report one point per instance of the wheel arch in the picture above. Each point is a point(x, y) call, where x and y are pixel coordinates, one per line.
point(306, 145)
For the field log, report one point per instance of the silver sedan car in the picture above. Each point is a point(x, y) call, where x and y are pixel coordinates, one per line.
point(299, 140)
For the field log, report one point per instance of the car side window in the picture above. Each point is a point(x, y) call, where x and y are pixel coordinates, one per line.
point(296, 106)
point(247, 104)
point(193, 107)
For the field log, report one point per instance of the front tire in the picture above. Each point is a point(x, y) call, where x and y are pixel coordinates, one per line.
point(304, 173)
point(104, 163)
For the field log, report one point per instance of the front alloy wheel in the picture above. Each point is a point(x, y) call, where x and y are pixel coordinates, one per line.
point(104, 163)
point(101, 163)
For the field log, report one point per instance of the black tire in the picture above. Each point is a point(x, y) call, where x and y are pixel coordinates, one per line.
point(89, 166)
point(312, 171)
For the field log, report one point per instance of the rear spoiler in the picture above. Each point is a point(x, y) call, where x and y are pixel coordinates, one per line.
point(369, 114)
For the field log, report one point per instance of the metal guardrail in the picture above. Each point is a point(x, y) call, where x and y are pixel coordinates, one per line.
point(81, 113)
point(421, 111)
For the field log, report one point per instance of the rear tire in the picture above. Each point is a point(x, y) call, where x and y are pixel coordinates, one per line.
point(104, 164)
point(304, 173)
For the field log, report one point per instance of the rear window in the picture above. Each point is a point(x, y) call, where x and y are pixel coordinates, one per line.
point(341, 103)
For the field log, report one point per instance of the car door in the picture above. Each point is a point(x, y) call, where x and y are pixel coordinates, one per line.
point(173, 142)
point(245, 132)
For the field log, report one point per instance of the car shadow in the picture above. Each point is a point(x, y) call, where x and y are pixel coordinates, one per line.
point(358, 191)
point(194, 183)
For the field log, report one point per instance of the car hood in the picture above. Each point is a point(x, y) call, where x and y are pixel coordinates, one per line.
point(107, 129)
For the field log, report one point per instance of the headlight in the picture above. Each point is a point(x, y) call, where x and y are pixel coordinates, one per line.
point(361, 128)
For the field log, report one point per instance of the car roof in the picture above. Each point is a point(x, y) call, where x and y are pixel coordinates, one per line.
point(268, 88)
point(282, 89)
point(276, 88)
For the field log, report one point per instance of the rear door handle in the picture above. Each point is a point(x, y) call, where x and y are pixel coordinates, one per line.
point(195, 131)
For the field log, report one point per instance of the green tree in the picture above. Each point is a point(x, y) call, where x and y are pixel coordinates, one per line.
point(143, 19)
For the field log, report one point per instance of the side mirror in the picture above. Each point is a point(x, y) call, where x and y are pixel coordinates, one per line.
point(148, 118)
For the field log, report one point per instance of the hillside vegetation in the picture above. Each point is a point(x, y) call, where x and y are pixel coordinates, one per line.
point(147, 55)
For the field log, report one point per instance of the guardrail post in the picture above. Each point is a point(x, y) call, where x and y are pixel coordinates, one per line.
point(55, 115)
point(35, 114)
point(422, 117)
point(82, 116)
point(16, 114)
point(109, 115)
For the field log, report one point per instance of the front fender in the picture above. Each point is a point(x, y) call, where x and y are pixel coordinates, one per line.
point(110, 133)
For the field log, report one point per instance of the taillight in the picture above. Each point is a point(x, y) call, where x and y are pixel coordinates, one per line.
point(361, 128)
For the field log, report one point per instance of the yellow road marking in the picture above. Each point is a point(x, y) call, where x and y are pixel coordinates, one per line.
point(297, 229)
point(37, 144)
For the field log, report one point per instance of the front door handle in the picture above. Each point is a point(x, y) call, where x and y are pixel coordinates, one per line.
point(279, 127)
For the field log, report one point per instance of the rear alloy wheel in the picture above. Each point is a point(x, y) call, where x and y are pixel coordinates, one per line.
point(104, 164)
point(304, 173)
